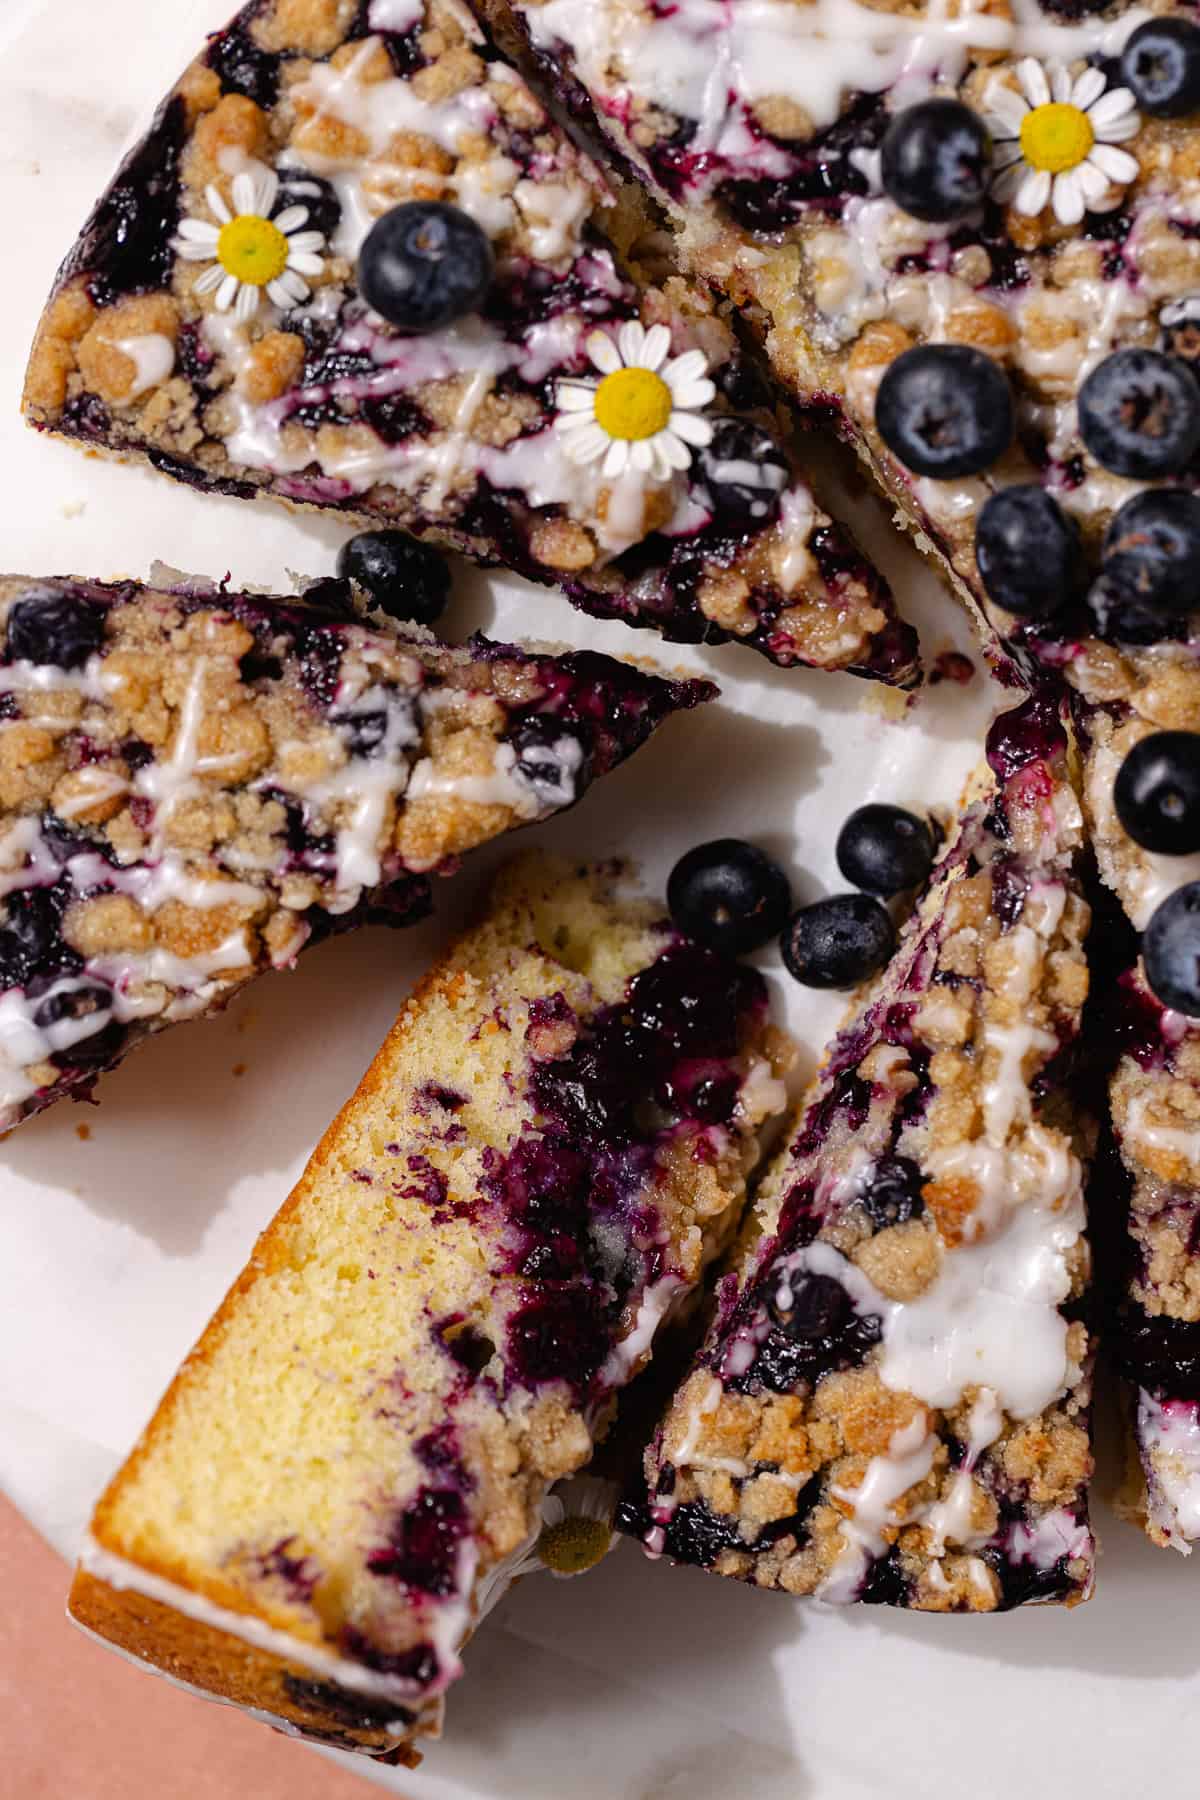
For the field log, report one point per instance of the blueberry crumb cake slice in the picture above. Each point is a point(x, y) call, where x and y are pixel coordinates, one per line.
point(355, 265)
point(355, 1460)
point(196, 784)
point(891, 1404)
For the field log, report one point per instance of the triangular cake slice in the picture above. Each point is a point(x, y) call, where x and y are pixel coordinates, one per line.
point(891, 1404)
point(354, 1461)
point(196, 784)
point(815, 184)
point(213, 320)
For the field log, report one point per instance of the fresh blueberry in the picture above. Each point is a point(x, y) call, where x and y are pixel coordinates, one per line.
point(884, 849)
point(945, 410)
point(425, 264)
point(935, 159)
point(1121, 618)
point(1152, 548)
point(46, 626)
point(891, 1194)
point(806, 1305)
point(1161, 64)
point(1139, 413)
point(300, 187)
point(1157, 793)
point(837, 943)
point(745, 472)
point(407, 579)
point(1171, 951)
point(729, 895)
point(1028, 552)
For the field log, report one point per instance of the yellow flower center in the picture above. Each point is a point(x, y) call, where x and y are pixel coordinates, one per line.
point(633, 403)
point(253, 250)
point(1056, 137)
point(574, 1544)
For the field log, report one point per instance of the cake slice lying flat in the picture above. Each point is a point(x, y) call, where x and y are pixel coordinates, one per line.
point(892, 1402)
point(1156, 1115)
point(196, 784)
point(212, 319)
point(546, 1152)
point(761, 125)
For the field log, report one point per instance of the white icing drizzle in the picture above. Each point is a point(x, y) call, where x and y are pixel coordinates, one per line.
point(657, 1302)
point(710, 61)
point(1177, 1140)
point(1169, 1438)
point(153, 359)
point(395, 15)
point(908, 1461)
point(1055, 1535)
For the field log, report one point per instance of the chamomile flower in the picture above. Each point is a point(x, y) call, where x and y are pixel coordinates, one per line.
point(1056, 140)
point(249, 250)
point(577, 1528)
point(644, 412)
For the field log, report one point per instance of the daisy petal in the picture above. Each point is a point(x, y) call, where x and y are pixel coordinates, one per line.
point(1127, 126)
point(631, 341)
point(1032, 78)
point(1092, 180)
point(1118, 103)
point(1060, 85)
point(244, 191)
point(656, 347)
point(191, 252)
point(293, 286)
point(603, 352)
point(216, 201)
point(1118, 165)
point(692, 428)
point(1033, 193)
point(291, 219)
point(641, 455)
point(660, 461)
point(1007, 107)
point(553, 1510)
point(1004, 156)
point(305, 263)
point(575, 397)
point(266, 193)
point(227, 293)
point(1008, 181)
point(673, 451)
point(683, 369)
point(210, 281)
point(246, 304)
point(1087, 89)
point(694, 394)
point(1068, 198)
point(617, 458)
point(199, 231)
point(306, 241)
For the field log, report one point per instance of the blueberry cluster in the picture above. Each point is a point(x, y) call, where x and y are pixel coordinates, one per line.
point(733, 897)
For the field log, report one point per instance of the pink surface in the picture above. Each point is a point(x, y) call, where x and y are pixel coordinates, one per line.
point(79, 1721)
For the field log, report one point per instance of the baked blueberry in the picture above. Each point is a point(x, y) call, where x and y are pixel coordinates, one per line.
point(837, 943)
point(1028, 551)
point(945, 410)
point(729, 895)
point(1139, 413)
point(1152, 550)
point(884, 849)
point(1171, 951)
point(891, 1193)
point(807, 1305)
point(425, 264)
point(1157, 793)
point(744, 471)
point(1121, 618)
point(1161, 66)
point(935, 159)
point(407, 579)
point(53, 627)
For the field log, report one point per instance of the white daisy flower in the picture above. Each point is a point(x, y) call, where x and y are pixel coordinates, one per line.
point(250, 250)
point(641, 414)
point(577, 1528)
point(1056, 140)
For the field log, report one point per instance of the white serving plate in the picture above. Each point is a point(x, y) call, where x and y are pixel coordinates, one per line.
point(641, 1682)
